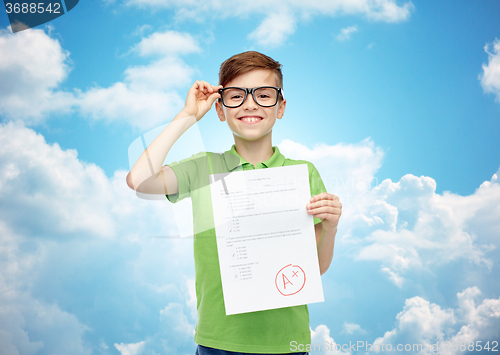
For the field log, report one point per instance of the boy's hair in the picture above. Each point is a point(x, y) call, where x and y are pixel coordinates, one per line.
point(244, 62)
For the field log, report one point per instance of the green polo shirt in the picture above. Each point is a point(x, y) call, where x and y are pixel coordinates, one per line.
point(269, 331)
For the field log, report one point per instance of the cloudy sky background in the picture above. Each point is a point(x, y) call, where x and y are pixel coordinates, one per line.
point(397, 104)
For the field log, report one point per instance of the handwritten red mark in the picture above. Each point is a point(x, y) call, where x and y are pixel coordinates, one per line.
point(283, 283)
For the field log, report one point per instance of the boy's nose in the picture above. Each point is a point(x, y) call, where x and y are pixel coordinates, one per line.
point(250, 103)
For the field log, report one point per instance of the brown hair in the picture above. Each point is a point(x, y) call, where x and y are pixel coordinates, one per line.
point(244, 62)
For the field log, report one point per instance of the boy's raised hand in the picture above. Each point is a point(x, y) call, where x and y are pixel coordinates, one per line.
point(327, 207)
point(200, 98)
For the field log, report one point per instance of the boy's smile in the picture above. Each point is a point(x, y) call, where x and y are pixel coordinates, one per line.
point(250, 119)
point(251, 122)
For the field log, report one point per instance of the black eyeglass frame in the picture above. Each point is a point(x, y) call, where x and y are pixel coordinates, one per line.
point(251, 91)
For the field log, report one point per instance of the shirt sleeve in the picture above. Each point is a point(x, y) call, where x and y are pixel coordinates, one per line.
point(316, 184)
point(188, 172)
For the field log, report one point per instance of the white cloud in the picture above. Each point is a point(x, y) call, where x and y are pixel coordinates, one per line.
point(74, 239)
point(490, 79)
point(63, 196)
point(404, 225)
point(345, 33)
point(147, 96)
point(323, 343)
point(130, 349)
point(426, 229)
point(274, 30)
point(191, 302)
point(481, 322)
point(393, 276)
point(32, 66)
point(29, 325)
point(175, 332)
point(388, 11)
point(168, 43)
point(159, 76)
point(26, 317)
point(347, 170)
point(379, 10)
point(276, 26)
point(60, 194)
point(351, 328)
point(141, 30)
point(426, 323)
point(122, 103)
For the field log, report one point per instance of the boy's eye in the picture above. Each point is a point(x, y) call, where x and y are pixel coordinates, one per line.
point(234, 95)
point(265, 94)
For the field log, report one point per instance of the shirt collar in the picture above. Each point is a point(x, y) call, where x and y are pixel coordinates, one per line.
point(233, 159)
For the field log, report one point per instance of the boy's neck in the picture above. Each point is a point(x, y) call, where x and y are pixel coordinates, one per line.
point(254, 152)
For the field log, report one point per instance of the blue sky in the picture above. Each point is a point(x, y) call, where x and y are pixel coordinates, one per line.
point(396, 103)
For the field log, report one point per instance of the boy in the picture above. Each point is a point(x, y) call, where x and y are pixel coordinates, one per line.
point(250, 98)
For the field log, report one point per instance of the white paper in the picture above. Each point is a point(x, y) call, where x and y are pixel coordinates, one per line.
point(265, 239)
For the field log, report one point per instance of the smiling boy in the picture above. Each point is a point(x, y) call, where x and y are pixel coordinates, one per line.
point(250, 99)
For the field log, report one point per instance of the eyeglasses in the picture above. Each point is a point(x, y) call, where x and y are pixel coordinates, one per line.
point(265, 96)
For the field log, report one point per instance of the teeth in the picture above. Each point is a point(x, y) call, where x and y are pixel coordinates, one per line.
point(251, 119)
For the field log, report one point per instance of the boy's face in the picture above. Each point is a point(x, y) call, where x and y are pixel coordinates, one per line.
point(250, 121)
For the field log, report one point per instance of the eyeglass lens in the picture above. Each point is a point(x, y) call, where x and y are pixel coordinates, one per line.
point(262, 96)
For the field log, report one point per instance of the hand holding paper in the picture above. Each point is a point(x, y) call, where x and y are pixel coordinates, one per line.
point(327, 207)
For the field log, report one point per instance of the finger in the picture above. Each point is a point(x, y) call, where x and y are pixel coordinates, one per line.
point(214, 96)
point(200, 86)
point(328, 210)
point(322, 196)
point(333, 203)
point(199, 89)
point(327, 202)
point(194, 87)
point(203, 86)
point(208, 87)
point(217, 87)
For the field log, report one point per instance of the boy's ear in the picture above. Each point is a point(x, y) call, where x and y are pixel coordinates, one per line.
point(281, 109)
point(220, 111)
